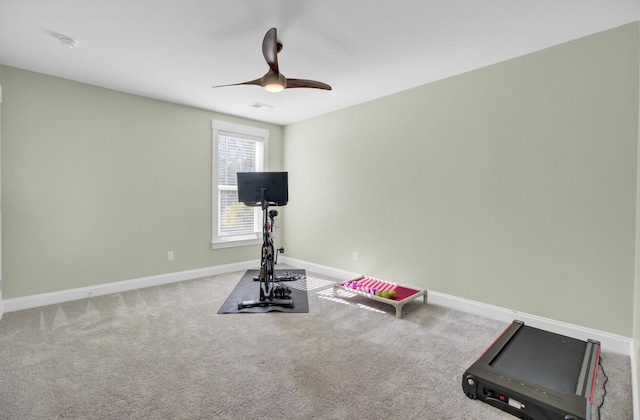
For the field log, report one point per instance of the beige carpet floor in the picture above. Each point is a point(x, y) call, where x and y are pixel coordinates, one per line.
point(164, 353)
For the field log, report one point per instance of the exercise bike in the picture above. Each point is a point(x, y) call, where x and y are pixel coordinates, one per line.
point(272, 291)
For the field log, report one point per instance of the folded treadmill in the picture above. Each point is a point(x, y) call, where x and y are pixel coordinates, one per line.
point(535, 374)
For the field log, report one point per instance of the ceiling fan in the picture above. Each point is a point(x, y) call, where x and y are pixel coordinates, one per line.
point(273, 80)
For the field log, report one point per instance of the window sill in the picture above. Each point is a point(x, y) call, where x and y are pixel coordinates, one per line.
point(234, 243)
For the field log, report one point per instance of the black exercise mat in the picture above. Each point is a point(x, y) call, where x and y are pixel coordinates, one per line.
point(249, 289)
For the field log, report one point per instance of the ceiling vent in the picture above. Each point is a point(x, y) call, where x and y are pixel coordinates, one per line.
point(258, 105)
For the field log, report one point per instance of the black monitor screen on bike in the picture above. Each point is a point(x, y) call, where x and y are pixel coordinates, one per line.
point(254, 187)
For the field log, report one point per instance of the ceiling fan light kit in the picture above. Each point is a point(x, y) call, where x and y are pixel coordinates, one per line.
point(273, 80)
point(274, 87)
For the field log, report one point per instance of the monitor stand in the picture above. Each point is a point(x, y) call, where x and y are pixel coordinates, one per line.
point(535, 374)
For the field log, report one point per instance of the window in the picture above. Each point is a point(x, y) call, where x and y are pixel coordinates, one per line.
point(236, 148)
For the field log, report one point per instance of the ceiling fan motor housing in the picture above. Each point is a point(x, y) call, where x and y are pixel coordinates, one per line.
point(274, 81)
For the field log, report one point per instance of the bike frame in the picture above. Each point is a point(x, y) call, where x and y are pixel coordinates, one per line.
point(267, 263)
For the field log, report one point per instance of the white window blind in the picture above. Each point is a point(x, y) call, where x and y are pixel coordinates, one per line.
point(237, 148)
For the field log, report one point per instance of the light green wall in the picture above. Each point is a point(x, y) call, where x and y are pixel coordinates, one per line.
point(513, 185)
point(97, 185)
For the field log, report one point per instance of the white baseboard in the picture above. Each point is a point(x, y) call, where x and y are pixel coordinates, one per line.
point(320, 269)
point(26, 302)
point(610, 342)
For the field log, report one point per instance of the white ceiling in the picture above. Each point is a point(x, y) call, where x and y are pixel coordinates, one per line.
point(176, 50)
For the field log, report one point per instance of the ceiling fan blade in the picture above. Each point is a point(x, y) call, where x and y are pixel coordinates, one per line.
point(303, 83)
point(251, 82)
point(270, 48)
point(273, 80)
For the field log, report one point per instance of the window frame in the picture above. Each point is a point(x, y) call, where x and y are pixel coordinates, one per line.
point(242, 131)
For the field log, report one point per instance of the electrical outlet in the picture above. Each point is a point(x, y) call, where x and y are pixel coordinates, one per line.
point(355, 256)
point(170, 256)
